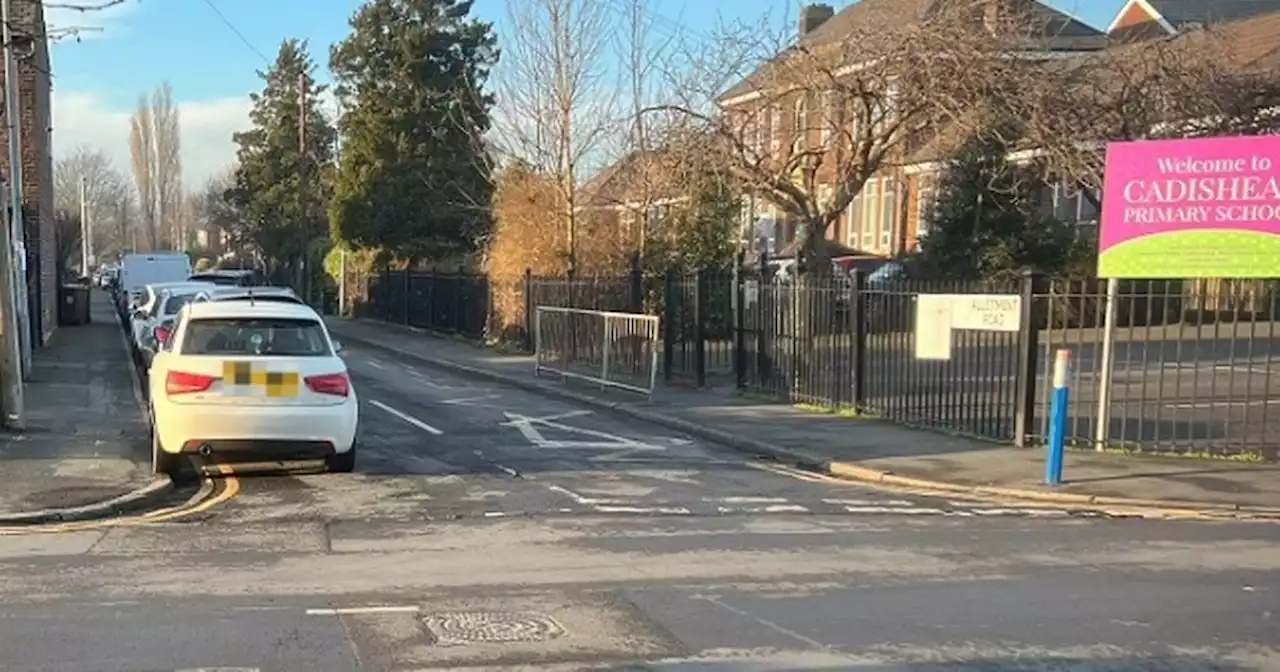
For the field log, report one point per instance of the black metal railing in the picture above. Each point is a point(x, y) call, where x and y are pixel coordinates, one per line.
point(456, 303)
point(1191, 361)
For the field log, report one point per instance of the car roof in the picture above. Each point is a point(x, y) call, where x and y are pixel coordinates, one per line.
point(224, 272)
point(221, 292)
point(217, 309)
point(183, 284)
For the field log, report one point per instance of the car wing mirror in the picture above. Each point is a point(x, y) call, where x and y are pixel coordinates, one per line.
point(338, 348)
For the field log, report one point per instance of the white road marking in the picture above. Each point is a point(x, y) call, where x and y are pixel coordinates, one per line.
point(408, 609)
point(906, 510)
point(407, 418)
point(772, 508)
point(423, 378)
point(581, 499)
point(798, 474)
point(376, 364)
point(221, 669)
point(876, 502)
point(515, 419)
point(623, 447)
point(467, 400)
point(679, 510)
point(504, 469)
point(746, 500)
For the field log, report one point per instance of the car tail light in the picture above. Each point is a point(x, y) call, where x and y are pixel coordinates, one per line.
point(336, 384)
point(181, 382)
point(162, 334)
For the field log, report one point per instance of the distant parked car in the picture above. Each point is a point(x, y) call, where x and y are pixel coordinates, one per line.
point(266, 294)
point(230, 277)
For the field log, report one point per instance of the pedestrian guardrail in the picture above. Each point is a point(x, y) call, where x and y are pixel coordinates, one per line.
point(612, 349)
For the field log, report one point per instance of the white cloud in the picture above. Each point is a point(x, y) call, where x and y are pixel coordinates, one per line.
point(207, 125)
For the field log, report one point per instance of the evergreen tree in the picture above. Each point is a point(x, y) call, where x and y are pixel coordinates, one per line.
point(414, 178)
point(273, 182)
point(988, 220)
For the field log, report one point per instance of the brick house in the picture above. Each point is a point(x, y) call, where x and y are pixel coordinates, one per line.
point(884, 218)
point(36, 128)
point(1146, 19)
point(635, 193)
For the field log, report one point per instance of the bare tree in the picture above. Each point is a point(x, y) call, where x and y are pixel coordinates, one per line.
point(168, 166)
point(156, 157)
point(558, 103)
point(105, 185)
point(643, 53)
point(217, 216)
point(807, 128)
point(142, 155)
point(1192, 84)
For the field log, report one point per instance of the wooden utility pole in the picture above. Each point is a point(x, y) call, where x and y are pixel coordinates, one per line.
point(303, 201)
point(84, 227)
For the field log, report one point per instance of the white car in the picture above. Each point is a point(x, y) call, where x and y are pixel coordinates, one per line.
point(241, 379)
point(279, 294)
point(151, 308)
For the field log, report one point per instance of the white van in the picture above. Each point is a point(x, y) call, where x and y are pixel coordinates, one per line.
point(142, 269)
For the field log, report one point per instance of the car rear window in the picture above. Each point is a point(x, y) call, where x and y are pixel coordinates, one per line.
point(275, 298)
point(217, 279)
point(175, 303)
point(258, 336)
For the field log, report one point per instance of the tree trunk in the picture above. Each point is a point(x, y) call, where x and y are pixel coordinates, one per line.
point(812, 276)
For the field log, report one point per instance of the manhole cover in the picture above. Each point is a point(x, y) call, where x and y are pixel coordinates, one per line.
point(458, 628)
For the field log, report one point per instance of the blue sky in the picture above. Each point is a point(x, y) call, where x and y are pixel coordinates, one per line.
point(212, 70)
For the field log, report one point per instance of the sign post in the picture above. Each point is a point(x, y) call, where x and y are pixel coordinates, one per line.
point(1054, 451)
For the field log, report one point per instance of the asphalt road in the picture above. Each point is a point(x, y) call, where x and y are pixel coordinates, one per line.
point(491, 527)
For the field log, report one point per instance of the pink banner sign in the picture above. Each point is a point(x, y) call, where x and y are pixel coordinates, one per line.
point(1201, 208)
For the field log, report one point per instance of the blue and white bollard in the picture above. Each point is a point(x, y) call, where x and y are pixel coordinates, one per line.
point(1057, 420)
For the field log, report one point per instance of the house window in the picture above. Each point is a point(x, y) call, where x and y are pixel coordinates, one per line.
point(888, 208)
point(854, 212)
point(1071, 206)
point(926, 198)
point(775, 128)
point(871, 211)
point(761, 128)
point(829, 116)
point(799, 124)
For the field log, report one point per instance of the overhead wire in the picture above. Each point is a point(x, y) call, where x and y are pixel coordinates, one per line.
point(232, 27)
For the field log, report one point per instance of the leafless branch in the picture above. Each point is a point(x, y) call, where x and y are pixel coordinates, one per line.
point(556, 106)
point(807, 129)
point(84, 7)
point(1189, 85)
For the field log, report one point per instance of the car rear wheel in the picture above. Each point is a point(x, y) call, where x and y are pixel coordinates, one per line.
point(342, 463)
point(161, 462)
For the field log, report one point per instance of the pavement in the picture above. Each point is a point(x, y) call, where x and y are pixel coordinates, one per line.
point(498, 527)
point(870, 450)
point(84, 452)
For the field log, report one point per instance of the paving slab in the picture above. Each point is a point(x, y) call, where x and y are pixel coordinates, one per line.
point(86, 442)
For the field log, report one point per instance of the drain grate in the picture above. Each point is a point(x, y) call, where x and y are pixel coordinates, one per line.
point(459, 628)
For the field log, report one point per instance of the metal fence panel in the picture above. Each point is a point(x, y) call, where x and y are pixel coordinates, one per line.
point(610, 348)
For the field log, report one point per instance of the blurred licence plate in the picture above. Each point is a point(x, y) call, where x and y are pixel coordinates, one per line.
point(242, 379)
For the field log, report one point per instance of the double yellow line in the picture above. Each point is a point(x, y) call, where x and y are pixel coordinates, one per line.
point(198, 503)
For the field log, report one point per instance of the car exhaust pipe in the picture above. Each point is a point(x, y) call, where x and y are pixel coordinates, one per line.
point(205, 450)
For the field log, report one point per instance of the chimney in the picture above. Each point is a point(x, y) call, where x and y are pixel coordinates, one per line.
point(812, 16)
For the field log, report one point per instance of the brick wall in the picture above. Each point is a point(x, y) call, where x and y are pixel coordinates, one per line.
point(34, 87)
